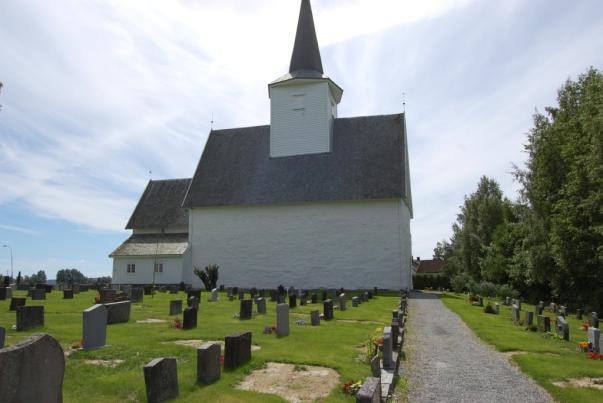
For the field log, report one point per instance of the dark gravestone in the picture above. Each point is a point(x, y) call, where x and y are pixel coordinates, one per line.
point(315, 318)
point(370, 294)
point(562, 328)
point(67, 294)
point(370, 391)
point(593, 320)
point(38, 294)
point(376, 366)
point(176, 307)
point(314, 298)
point(46, 287)
point(328, 309)
point(189, 318)
point(395, 314)
point(118, 312)
point(303, 300)
point(282, 320)
point(161, 380)
point(94, 327)
point(387, 348)
point(137, 294)
point(5, 293)
point(246, 309)
point(32, 371)
point(235, 290)
point(107, 295)
point(193, 302)
point(148, 290)
point(529, 319)
point(2, 336)
point(280, 299)
point(292, 301)
point(16, 302)
point(241, 295)
point(579, 314)
point(194, 292)
point(208, 363)
point(29, 317)
point(395, 333)
point(174, 289)
point(544, 323)
point(237, 349)
point(324, 296)
point(355, 301)
point(261, 305)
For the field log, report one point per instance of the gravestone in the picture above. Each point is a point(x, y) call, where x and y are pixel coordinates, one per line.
point(161, 380)
point(365, 297)
point(369, 294)
point(29, 317)
point(189, 318)
point(2, 337)
point(395, 314)
point(544, 323)
point(395, 333)
point(303, 300)
point(292, 301)
point(5, 293)
point(67, 294)
point(235, 290)
point(127, 289)
point(387, 348)
point(355, 301)
point(324, 296)
point(246, 309)
point(376, 366)
point(529, 319)
point(593, 320)
point(282, 320)
point(370, 391)
point(553, 307)
point(193, 292)
point(515, 314)
point(237, 349)
point(16, 302)
point(208, 363)
point(174, 289)
point(32, 371)
point(538, 310)
point(118, 312)
point(562, 328)
point(273, 295)
point(579, 314)
point(241, 295)
point(193, 302)
point(314, 298)
point(497, 308)
point(137, 294)
point(38, 294)
point(107, 295)
point(261, 305)
point(315, 318)
point(175, 307)
point(507, 301)
point(214, 295)
point(328, 309)
point(518, 303)
point(480, 301)
point(562, 310)
point(148, 290)
point(342, 302)
point(594, 338)
point(94, 327)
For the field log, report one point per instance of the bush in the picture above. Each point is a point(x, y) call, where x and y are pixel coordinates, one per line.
point(487, 289)
point(421, 282)
point(209, 277)
point(489, 308)
point(459, 282)
point(505, 290)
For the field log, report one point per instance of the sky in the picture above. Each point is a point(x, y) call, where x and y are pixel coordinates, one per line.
point(100, 96)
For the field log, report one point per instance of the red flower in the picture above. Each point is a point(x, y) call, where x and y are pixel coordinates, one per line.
point(222, 359)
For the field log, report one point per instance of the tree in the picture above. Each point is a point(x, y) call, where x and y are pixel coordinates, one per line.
point(71, 276)
point(209, 277)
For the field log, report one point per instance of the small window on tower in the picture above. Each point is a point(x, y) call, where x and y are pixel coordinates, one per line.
point(299, 103)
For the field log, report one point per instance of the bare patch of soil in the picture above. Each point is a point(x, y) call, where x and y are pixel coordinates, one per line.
point(596, 383)
point(510, 354)
point(358, 321)
point(105, 363)
point(199, 343)
point(152, 321)
point(294, 383)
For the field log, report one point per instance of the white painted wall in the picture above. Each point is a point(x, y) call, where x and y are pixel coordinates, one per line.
point(358, 244)
point(301, 118)
point(172, 270)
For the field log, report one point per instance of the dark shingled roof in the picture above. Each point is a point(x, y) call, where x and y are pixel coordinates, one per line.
point(306, 55)
point(366, 162)
point(160, 206)
point(430, 266)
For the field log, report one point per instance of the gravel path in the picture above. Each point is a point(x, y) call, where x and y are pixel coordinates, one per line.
point(446, 362)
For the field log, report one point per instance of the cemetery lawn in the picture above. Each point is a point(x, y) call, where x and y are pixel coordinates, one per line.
point(334, 344)
point(545, 359)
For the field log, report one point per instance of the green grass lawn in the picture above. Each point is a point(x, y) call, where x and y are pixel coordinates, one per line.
point(335, 344)
point(547, 360)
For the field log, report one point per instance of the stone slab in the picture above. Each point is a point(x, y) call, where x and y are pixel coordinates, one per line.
point(189, 318)
point(315, 318)
point(118, 312)
point(38, 294)
point(237, 349)
point(208, 363)
point(94, 327)
point(16, 302)
point(161, 380)
point(176, 307)
point(30, 317)
point(282, 320)
point(370, 391)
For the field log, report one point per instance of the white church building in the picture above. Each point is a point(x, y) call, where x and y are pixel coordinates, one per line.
point(310, 200)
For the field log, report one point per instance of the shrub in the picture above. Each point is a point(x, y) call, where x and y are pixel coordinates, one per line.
point(505, 290)
point(459, 282)
point(209, 277)
point(489, 308)
point(487, 289)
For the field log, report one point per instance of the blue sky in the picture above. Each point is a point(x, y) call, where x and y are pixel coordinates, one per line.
point(97, 94)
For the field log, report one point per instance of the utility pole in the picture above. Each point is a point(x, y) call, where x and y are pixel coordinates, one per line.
point(11, 259)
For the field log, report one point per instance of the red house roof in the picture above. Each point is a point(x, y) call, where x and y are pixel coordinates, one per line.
point(430, 266)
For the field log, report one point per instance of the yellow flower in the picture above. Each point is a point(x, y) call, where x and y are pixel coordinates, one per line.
point(379, 329)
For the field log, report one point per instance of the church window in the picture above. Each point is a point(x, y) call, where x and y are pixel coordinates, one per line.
point(131, 268)
point(158, 267)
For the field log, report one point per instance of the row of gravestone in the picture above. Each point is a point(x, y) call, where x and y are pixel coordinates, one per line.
point(161, 374)
point(381, 383)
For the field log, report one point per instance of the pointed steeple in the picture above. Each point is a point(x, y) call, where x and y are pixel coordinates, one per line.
point(306, 55)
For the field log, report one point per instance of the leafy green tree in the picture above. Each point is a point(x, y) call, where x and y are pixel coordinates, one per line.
point(71, 276)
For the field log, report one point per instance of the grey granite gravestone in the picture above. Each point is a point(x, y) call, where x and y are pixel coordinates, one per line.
point(292, 301)
point(2, 336)
point(497, 308)
point(94, 327)
point(365, 297)
point(107, 295)
point(544, 323)
point(342, 302)
point(38, 294)
point(213, 297)
point(562, 310)
point(193, 302)
point(67, 294)
point(261, 305)
point(118, 312)
point(594, 339)
point(507, 301)
point(553, 307)
point(29, 317)
point(176, 307)
point(395, 326)
point(593, 320)
point(562, 328)
point(315, 318)
point(161, 380)
point(194, 292)
point(529, 319)
point(189, 318)
point(245, 309)
point(16, 302)
point(208, 363)
point(5, 293)
point(32, 371)
point(355, 301)
point(538, 310)
point(137, 294)
point(237, 349)
point(579, 314)
point(370, 391)
point(376, 366)
point(282, 320)
point(515, 315)
point(328, 309)
point(387, 348)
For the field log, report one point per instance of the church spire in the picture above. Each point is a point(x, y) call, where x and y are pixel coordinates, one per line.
point(306, 55)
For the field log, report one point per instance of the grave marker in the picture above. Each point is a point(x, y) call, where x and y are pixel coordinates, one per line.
point(562, 328)
point(342, 302)
point(208, 363)
point(137, 294)
point(237, 349)
point(515, 315)
point(261, 305)
point(2, 336)
point(175, 307)
point(246, 309)
point(5, 293)
point(30, 317)
point(94, 327)
point(214, 295)
point(118, 312)
point(594, 338)
point(282, 320)
point(161, 380)
point(292, 301)
point(315, 318)
point(107, 295)
point(593, 320)
point(16, 302)
point(387, 347)
point(544, 323)
point(355, 301)
point(579, 314)
point(38, 294)
point(189, 318)
point(67, 294)
point(328, 309)
point(370, 391)
point(529, 319)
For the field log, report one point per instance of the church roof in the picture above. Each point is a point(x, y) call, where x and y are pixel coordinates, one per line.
point(306, 55)
point(367, 161)
point(160, 206)
point(152, 244)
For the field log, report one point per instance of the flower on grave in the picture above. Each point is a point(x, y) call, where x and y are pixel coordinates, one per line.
point(379, 330)
point(584, 326)
point(222, 359)
point(583, 346)
point(594, 356)
point(378, 341)
point(352, 387)
point(176, 324)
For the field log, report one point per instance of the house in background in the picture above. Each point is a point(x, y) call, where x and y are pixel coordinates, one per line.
point(158, 250)
point(429, 267)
